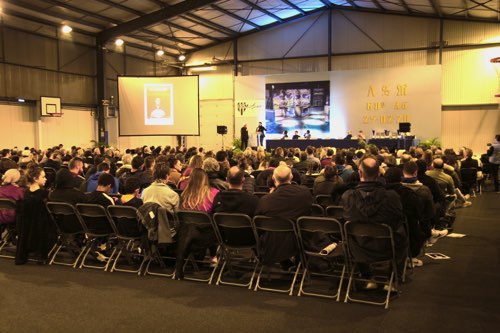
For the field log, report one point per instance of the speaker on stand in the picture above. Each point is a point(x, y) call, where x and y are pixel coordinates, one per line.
point(222, 130)
point(404, 128)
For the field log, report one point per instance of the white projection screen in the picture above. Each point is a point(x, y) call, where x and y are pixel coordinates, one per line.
point(158, 105)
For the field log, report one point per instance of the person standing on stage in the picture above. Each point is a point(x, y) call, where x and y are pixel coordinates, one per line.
point(244, 137)
point(260, 134)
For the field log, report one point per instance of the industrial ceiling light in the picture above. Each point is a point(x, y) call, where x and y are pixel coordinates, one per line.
point(160, 53)
point(66, 29)
point(182, 57)
point(119, 42)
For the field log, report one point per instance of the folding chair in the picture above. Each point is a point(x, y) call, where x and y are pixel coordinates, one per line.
point(196, 229)
point(332, 261)
point(324, 200)
point(262, 188)
point(317, 210)
point(469, 181)
point(235, 235)
point(336, 212)
point(97, 226)
point(7, 231)
point(371, 245)
point(69, 230)
point(264, 226)
point(156, 258)
point(128, 229)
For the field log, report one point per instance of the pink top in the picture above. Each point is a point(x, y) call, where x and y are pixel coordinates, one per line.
point(208, 204)
point(12, 192)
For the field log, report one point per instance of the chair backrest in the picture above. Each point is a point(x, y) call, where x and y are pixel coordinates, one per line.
point(324, 200)
point(234, 230)
point(311, 229)
point(197, 218)
point(95, 219)
point(126, 221)
point(369, 242)
point(317, 210)
point(273, 224)
point(65, 217)
point(7, 204)
point(336, 212)
point(262, 189)
point(468, 175)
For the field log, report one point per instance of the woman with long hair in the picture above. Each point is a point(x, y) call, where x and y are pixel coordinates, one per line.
point(197, 196)
point(33, 222)
point(196, 161)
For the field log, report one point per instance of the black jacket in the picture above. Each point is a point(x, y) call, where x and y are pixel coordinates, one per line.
point(235, 201)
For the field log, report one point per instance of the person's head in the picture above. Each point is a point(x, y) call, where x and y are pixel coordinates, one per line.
point(368, 169)
point(149, 163)
point(274, 162)
point(196, 161)
point(161, 171)
point(330, 172)
point(260, 123)
point(468, 152)
point(310, 150)
point(137, 163)
point(438, 163)
point(329, 152)
point(285, 132)
point(105, 182)
point(103, 167)
point(296, 132)
point(282, 175)
point(308, 132)
point(303, 156)
point(393, 175)
point(75, 165)
point(221, 156)
point(211, 165)
point(235, 177)
point(497, 138)
point(11, 177)
point(132, 186)
point(6, 153)
point(36, 175)
point(410, 169)
point(197, 192)
point(127, 159)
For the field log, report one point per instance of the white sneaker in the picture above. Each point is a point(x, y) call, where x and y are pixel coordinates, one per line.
point(417, 262)
point(467, 196)
point(436, 234)
point(393, 289)
point(370, 285)
point(467, 204)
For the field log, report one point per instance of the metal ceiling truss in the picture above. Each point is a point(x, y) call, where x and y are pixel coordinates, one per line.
point(262, 10)
point(239, 18)
point(294, 6)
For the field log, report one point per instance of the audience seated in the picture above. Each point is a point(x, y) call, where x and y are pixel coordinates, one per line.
point(64, 190)
point(132, 195)
point(327, 182)
point(93, 180)
point(159, 192)
point(10, 189)
point(100, 195)
point(6, 162)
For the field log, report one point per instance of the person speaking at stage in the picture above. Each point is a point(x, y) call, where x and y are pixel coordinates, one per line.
point(244, 137)
point(260, 134)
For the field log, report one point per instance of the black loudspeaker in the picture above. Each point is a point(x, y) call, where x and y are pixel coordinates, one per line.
point(404, 127)
point(222, 129)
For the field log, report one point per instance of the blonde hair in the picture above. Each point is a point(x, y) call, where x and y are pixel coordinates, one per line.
point(197, 191)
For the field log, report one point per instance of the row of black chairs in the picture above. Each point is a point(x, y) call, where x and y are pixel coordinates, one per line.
point(85, 228)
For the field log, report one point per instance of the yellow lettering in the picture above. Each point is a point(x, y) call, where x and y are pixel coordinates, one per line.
point(401, 88)
point(385, 91)
point(371, 92)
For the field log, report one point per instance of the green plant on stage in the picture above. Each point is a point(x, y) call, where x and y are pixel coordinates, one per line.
point(427, 144)
point(236, 145)
point(97, 144)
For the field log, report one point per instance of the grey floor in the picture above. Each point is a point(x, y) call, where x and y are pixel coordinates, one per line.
point(457, 295)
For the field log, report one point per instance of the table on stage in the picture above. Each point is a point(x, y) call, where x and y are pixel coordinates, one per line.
point(392, 144)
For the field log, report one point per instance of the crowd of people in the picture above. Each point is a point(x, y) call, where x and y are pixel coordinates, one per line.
point(417, 187)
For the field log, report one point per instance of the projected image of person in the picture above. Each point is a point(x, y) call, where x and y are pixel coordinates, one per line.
point(158, 112)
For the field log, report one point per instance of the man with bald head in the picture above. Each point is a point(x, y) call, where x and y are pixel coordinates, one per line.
point(288, 201)
point(444, 180)
point(234, 200)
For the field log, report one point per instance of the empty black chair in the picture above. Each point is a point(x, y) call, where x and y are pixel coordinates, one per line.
point(70, 233)
point(317, 210)
point(237, 241)
point(324, 200)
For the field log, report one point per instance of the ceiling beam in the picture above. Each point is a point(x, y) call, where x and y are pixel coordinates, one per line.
point(262, 10)
point(437, 9)
point(139, 13)
point(405, 6)
point(294, 6)
point(239, 18)
point(61, 16)
point(327, 3)
point(152, 18)
point(208, 24)
point(483, 4)
point(352, 3)
point(378, 5)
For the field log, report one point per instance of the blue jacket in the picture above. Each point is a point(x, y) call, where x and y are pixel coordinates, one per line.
point(92, 183)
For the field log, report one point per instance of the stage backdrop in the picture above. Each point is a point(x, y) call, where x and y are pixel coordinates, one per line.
point(374, 100)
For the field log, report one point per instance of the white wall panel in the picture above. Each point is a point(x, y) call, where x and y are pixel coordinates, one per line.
point(460, 32)
point(471, 128)
point(18, 126)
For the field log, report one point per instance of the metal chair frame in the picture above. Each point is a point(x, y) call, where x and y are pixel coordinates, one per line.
point(6, 204)
point(229, 254)
point(337, 259)
point(375, 231)
point(269, 224)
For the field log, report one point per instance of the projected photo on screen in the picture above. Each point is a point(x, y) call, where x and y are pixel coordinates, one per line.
point(158, 105)
point(298, 106)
